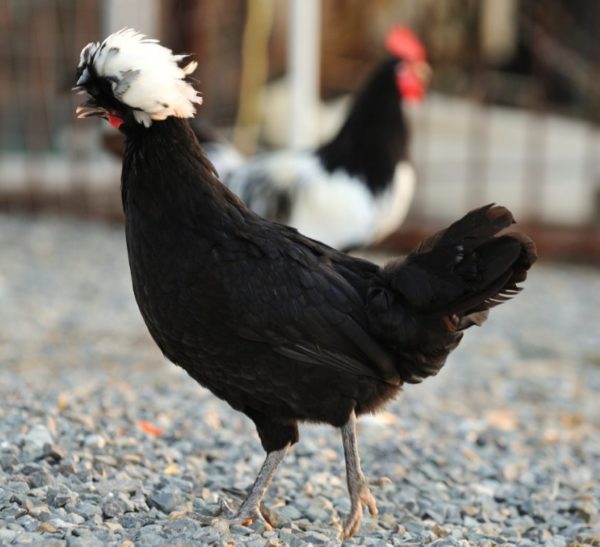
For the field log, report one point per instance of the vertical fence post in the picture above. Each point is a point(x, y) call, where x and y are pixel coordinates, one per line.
point(304, 70)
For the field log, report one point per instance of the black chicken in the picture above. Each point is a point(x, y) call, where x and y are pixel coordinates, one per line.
point(282, 327)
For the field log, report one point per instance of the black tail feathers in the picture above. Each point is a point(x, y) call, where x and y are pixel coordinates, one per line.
point(447, 284)
point(467, 268)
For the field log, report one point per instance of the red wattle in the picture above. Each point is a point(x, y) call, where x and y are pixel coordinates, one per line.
point(115, 121)
point(410, 86)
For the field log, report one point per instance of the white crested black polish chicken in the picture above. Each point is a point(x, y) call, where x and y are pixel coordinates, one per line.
point(282, 327)
point(357, 188)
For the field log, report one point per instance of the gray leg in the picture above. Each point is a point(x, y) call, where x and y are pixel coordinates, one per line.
point(250, 508)
point(357, 485)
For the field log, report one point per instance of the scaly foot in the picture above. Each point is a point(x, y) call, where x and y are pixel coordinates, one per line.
point(357, 485)
point(360, 494)
point(249, 511)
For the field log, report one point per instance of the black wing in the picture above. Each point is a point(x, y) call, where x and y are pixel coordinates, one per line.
point(306, 302)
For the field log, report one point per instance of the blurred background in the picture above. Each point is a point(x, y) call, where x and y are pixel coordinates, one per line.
point(511, 114)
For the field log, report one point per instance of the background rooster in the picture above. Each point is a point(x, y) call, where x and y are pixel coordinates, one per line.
point(282, 327)
point(357, 188)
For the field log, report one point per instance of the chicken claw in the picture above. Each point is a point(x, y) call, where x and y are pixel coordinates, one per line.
point(360, 494)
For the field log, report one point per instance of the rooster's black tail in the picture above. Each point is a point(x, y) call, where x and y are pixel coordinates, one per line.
point(448, 283)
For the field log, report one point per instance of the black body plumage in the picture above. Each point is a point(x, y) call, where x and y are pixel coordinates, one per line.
point(284, 328)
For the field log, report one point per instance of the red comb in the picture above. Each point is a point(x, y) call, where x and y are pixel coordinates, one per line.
point(401, 42)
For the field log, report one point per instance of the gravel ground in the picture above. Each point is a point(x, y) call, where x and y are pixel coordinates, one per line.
point(101, 443)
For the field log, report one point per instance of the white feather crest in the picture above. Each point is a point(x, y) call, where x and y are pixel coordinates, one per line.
point(144, 75)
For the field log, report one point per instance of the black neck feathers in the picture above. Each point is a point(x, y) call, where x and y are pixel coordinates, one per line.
point(166, 174)
point(374, 137)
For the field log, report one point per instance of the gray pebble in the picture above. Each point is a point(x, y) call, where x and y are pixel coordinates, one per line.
point(59, 523)
point(151, 535)
point(87, 510)
point(36, 443)
point(60, 496)
point(284, 516)
point(206, 509)
point(7, 536)
point(241, 530)
point(87, 540)
point(112, 506)
point(133, 521)
point(29, 538)
point(40, 478)
point(28, 523)
point(94, 441)
point(166, 499)
point(119, 485)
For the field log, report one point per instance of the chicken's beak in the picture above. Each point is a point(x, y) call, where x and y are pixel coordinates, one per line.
point(89, 109)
